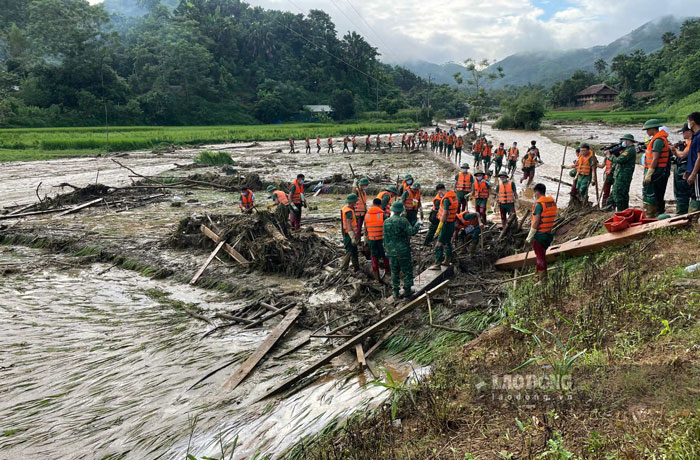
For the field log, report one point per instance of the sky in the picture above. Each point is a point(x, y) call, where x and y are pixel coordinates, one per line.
point(451, 30)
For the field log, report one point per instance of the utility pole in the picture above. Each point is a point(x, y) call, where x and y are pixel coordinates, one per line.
point(430, 120)
point(377, 100)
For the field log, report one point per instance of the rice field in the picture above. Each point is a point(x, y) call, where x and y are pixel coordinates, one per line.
point(25, 144)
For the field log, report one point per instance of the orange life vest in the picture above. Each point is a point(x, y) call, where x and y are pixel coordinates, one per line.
point(452, 210)
point(513, 153)
point(487, 151)
point(390, 138)
point(367, 141)
point(583, 164)
point(463, 223)
point(464, 182)
point(450, 140)
point(381, 197)
point(530, 160)
point(505, 193)
point(459, 143)
point(663, 156)
point(354, 141)
point(281, 197)
point(500, 152)
point(374, 220)
point(307, 142)
point(247, 199)
point(481, 189)
point(409, 204)
point(436, 202)
point(549, 213)
point(361, 205)
point(298, 190)
point(608, 166)
point(478, 146)
point(330, 141)
point(353, 221)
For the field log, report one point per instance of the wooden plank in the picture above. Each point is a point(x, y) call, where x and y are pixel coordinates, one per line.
point(269, 342)
point(360, 356)
point(32, 213)
point(293, 349)
point(268, 316)
point(592, 244)
point(208, 261)
point(78, 208)
point(350, 344)
point(227, 247)
point(430, 278)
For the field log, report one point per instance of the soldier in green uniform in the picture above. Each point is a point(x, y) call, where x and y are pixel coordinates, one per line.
point(623, 167)
point(350, 234)
point(433, 216)
point(397, 244)
point(681, 188)
point(447, 216)
point(657, 168)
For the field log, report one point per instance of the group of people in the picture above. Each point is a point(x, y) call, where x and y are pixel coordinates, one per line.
point(408, 141)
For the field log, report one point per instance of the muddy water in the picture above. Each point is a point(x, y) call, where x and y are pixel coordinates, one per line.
point(99, 363)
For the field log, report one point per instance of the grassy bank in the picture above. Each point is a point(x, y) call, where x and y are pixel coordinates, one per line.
point(606, 116)
point(49, 143)
point(617, 335)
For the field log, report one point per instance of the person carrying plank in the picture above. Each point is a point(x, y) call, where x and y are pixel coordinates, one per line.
point(374, 232)
point(463, 186)
point(544, 213)
point(279, 198)
point(446, 227)
point(296, 197)
point(350, 235)
point(397, 244)
point(246, 200)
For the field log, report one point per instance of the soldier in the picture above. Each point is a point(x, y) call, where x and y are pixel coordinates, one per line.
point(481, 194)
point(291, 145)
point(468, 225)
point(349, 228)
point(279, 198)
point(318, 144)
point(330, 145)
point(378, 143)
point(360, 189)
point(354, 143)
point(445, 230)
point(656, 169)
point(374, 231)
point(368, 144)
point(681, 189)
point(397, 244)
point(432, 217)
point(507, 195)
point(463, 186)
point(296, 197)
point(544, 213)
point(529, 164)
point(513, 154)
point(412, 202)
point(486, 155)
point(346, 141)
point(623, 170)
point(498, 158)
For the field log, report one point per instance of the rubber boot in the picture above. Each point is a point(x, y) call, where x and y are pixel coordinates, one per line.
point(356, 263)
point(375, 268)
point(650, 210)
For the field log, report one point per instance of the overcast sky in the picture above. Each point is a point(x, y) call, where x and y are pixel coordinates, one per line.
point(451, 30)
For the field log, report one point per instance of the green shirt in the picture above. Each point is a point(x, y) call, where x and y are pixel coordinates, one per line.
point(397, 234)
point(626, 161)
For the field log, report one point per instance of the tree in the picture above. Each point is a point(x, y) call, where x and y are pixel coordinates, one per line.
point(343, 104)
point(525, 113)
point(667, 38)
point(476, 76)
point(269, 108)
point(600, 66)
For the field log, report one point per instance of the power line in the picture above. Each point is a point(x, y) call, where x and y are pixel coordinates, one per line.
point(372, 29)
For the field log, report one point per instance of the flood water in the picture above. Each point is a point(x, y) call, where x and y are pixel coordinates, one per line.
point(97, 364)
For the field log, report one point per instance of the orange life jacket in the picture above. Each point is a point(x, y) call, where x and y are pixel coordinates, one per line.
point(318, 141)
point(487, 151)
point(464, 182)
point(530, 159)
point(583, 164)
point(354, 141)
point(247, 199)
point(281, 197)
point(367, 141)
point(361, 205)
point(452, 210)
point(549, 213)
point(513, 153)
point(450, 140)
point(663, 156)
point(459, 143)
point(478, 146)
point(436, 202)
point(307, 142)
point(353, 221)
point(500, 152)
point(505, 193)
point(374, 220)
point(381, 197)
point(608, 166)
point(464, 223)
point(409, 204)
point(330, 141)
point(298, 190)
point(481, 189)
point(390, 138)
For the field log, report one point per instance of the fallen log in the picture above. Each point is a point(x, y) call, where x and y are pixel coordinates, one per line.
point(32, 213)
point(592, 244)
point(78, 208)
point(268, 316)
point(269, 342)
point(237, 256)
point(350, 344)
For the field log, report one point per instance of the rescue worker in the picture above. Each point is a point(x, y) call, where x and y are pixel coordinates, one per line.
point(446, 227)
point(481, 194)
point(450, 143)
point(459, 143)
point(477, 149)
point(307, 142)
point(291, 145)
point(350, 234)
point(279, 198)
point(507, 196)
point(354, 143)
point(330, 145)
point(656, 169)
point(246, 200)
point(374, 232)
point(360, 189)
point(464, 182)
point(691, 173)
point(391, 141)
point(411, 200)
point(406, 184)
point(296, 197)
point(368, 144)
point(403, 141)
point(397, 245)
point(529, 164)
point(318, 144)
point(468, 224)
point(378, 143)
point(498, 158)
point(513, 154)
point(544, 212)
point(486, 155)
point(608, 180)
point(387, 196)
point(346, 141)
point(623, 166)
point(433, 216)
point(584, 166)
point(441, 141)
point(681, 189)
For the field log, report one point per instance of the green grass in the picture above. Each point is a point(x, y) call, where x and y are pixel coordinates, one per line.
point(607, 116)
point(26, 144)
point(210, 158)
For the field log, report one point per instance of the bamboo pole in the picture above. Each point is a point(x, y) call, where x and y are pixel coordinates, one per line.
point(561, 173)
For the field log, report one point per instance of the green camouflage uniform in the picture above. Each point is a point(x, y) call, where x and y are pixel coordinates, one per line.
point(681, 188)
point(434, 222)
point(397, 237)
point(411, 214)
point(444, 250)
point(623, 169)
point(653, 194)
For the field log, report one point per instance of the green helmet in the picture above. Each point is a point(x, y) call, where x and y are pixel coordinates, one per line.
point(407, 176)
point(392, 189)
point(352, 198)
point(416, 186)
point(653, 123)
point(490, 143)
point(572, 173)
point(397, 207)
point(627, 137)
point(465, 165)
point(271, 188)
point(364, 181)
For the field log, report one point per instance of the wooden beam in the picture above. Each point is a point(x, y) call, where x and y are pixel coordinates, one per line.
point(592, 244)
point(207, 262)
point(360, 356)
point(78, 208)
point(227, 247)
point(269, 342)
point(268, 316)
point(31, 213)
point(293, 349)
point(430, 278)
point(350, 344)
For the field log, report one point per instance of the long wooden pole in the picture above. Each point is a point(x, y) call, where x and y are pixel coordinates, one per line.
point(595, 180)
point(561, 173)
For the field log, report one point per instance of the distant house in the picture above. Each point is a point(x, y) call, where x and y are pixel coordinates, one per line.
point(596, 93)
point(318, 108)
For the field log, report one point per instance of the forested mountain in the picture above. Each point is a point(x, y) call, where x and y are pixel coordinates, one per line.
point(201, 62)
